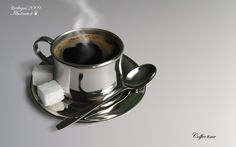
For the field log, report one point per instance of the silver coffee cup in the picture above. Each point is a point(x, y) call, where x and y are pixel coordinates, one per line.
point(85, 81)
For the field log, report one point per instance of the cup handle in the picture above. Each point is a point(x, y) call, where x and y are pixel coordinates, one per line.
point(38, 52)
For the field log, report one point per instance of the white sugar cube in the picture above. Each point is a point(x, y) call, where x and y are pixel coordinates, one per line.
point(50, 93)
point(42, 74)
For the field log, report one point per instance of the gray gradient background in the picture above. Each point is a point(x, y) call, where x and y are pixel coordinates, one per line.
point(193, 44)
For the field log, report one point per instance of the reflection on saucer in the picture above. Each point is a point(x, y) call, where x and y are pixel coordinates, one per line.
point(107, 111)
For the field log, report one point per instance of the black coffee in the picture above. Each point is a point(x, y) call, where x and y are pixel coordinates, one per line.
point(83, 53)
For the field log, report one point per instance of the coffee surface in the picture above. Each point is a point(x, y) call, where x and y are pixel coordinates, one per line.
point(87, 49)
point(83, 53)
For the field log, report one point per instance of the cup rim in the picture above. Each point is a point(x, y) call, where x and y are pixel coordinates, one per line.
point(115, 58)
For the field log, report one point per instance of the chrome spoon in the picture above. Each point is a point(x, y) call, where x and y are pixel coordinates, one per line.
point(136, 78)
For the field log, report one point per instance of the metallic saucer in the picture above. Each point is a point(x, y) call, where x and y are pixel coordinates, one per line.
point(105, 112)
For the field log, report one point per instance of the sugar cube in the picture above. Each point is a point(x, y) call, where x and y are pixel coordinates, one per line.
point(50, 93)
point(42, 74)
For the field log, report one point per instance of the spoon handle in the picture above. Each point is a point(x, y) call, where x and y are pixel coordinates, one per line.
point(85, 111)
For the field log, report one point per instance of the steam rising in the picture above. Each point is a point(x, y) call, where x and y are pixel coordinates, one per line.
point(87, 17)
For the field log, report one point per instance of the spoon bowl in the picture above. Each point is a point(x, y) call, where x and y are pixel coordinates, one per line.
point(140, 76)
